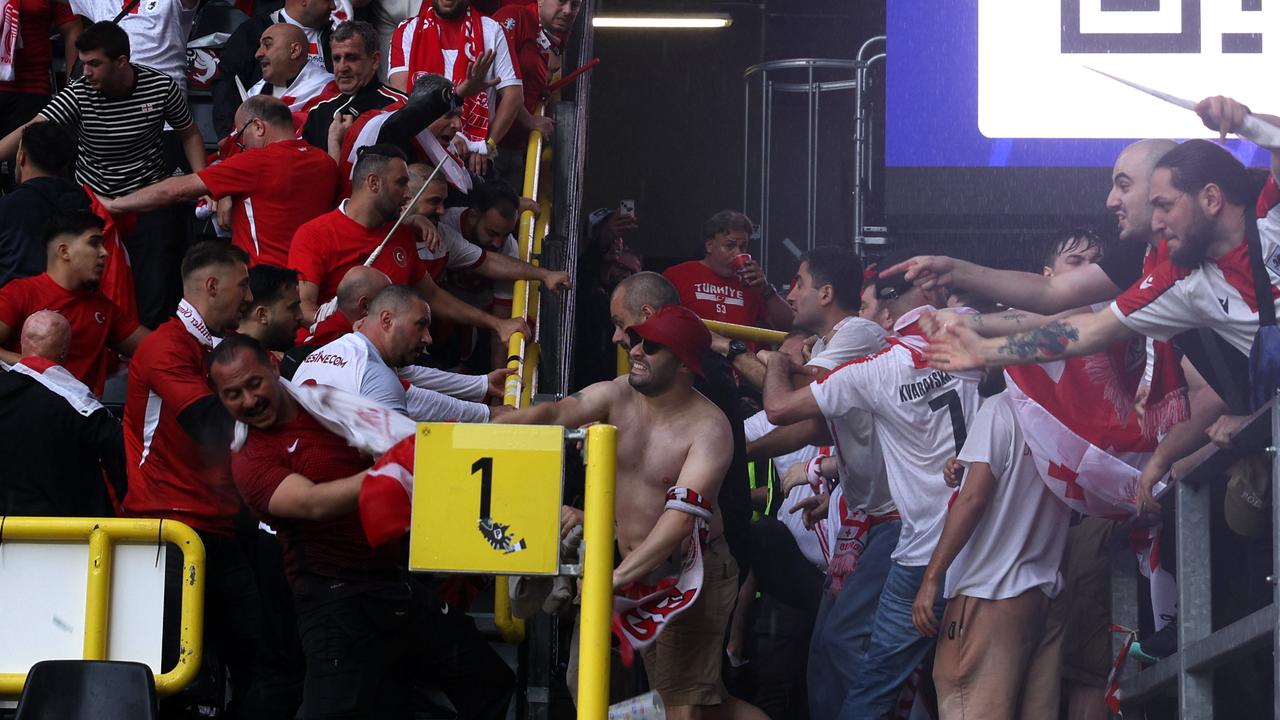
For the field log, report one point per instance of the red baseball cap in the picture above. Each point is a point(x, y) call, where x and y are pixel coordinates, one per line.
point(680, 330)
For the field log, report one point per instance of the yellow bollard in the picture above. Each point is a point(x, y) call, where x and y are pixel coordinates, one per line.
point(597, 573)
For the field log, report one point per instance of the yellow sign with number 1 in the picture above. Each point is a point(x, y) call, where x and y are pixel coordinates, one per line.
point(486, 499)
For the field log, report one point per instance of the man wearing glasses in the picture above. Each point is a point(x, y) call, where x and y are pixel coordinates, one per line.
point(267, 208)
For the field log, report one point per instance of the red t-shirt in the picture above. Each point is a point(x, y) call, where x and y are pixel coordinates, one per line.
point(275, 189)
point(325, 248)
point(34, 56)
point(333, 548)
point(327, 330)
point(532, 51)
point(716, 298)
point(170, 475)
point(95, 323)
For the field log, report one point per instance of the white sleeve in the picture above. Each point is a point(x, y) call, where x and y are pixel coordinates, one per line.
point(381, 385)
point(401, 46)
point(503, 70)
point(431, 406)
point(462, 252)
point(463, 387)
point(856, 341)
point(990, 436)
point(853, 386)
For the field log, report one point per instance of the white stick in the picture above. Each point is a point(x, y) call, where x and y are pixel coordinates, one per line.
point(407, 208)
point(1253, 128)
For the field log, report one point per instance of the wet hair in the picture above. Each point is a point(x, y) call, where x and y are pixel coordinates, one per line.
point(725, 221)
point(226, 351)
point(72, 222)
point(839, 267)
point(1077, 239)
point(106, 36)
point(209, 253)
point(1197, 163)
point(49, 146)
point(269, 283)
point(357, 28)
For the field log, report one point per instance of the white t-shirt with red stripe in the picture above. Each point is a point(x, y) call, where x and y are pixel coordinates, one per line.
point(919, 413)
point(455, 252)
point(1217, 294)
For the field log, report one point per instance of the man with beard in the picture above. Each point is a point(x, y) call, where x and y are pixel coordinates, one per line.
point(675, 443)
point(324, 249)
point(176, 440)
point(275, 314)
point(1199, 195)
point(370, 632)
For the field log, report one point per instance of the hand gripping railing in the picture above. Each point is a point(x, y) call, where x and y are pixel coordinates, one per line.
point(102, 535)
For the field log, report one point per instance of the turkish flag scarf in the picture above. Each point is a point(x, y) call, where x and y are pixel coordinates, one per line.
point(465, 35)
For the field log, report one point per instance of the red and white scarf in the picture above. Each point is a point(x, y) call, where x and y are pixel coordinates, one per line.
point(10, 38)
point(61, 382)
point(426, 55)
point(642, 610)
point(195, 324)
point(311, 82)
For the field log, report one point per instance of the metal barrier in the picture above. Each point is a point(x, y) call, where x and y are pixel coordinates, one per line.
point(597, 572)
point(746, 333)
point(1201, 649)
point(102, 534)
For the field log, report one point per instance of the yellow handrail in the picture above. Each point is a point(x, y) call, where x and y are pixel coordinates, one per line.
point(746, 333)
point(102, 534)
point(522, 352)
point(597, 572)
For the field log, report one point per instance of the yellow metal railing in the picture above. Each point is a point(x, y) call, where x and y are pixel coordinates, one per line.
point(102, 534)
point(523, 352)
point(597, 572)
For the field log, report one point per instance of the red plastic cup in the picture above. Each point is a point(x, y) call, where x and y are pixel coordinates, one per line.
point(740, 261)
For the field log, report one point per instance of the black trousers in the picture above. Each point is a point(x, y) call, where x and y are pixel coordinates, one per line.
point(233, 640)
point(370, 644)
point(155, 250)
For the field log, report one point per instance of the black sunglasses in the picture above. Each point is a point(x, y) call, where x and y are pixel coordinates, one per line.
point(648, 347)
point(240, 134)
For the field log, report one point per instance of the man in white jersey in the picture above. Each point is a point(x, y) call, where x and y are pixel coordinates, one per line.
point(364, 361)
point(827, 298)
point(1000, 640)
point(920, 416)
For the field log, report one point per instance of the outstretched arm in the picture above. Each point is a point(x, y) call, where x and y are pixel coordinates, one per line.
point(1028, 291)
point(588, 405)
point(497, 266)
point(956, 347)
point(166, 192)
point(784, 405)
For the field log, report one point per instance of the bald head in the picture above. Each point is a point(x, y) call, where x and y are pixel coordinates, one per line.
point(357, 289)
point(646, 288)
point(46, 334)
point(282, 53)
point(1129, 197)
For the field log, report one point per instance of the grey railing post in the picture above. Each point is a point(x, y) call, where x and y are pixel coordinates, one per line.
point(1195, 615)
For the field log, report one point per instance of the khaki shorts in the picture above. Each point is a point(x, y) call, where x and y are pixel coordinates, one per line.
point(683, 664)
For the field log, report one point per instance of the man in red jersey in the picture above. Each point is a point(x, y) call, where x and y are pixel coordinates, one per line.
point(70, 287)
point(177, 439)
point(324, 249)
point(717, 289)
point(305, 480)
point(265, 183)
point(537, 33)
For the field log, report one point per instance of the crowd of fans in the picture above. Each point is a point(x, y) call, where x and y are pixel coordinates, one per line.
point(882, 521)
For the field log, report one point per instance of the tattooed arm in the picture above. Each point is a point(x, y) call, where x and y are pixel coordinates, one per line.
point(957, 347)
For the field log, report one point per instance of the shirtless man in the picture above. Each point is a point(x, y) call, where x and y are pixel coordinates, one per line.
point(671, 436)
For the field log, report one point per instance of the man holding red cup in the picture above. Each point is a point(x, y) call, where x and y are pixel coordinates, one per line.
point(727, 284)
